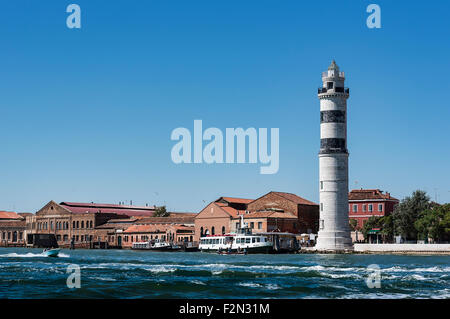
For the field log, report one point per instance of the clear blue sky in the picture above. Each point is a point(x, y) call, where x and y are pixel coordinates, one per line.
point(86, 115)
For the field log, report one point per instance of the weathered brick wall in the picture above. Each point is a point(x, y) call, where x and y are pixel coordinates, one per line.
point(271, 201)
point(211, 216)
point(309, 218)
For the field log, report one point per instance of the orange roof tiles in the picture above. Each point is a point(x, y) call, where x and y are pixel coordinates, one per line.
point(10, 215)
point(271, 214)
point(294, 198)
point(237, 200)
point(362, 194)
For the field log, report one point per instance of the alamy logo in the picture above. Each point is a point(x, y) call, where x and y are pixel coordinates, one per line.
point(74, 19)
point(374, 278)
point(374, 19)
point(213, 152)
point(74, 279)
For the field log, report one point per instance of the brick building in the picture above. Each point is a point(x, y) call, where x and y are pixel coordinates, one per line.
point(122, 232)
point(275, 211)
point(165, 232)
point(365, 203)
point(291, 205)
point(12, 229)
point(76, 223)
point(217, 217)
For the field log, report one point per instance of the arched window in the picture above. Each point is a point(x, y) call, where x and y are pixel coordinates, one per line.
point(201, 231)
point(78, 224)
point(73, 226)
point(82, 224)
point(223, 230)
point(212, 231)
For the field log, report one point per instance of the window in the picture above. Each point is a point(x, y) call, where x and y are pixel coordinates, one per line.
point(259, 225)
point(223, 230)
point(355, 208)
point(370, 207)
point(247, 240)
point(380, 207)
point(321, 224)
point(82, 224)
point(213, 230)
point(253, 240)
point(321, 207)
point(364, 208)
point(321, 184)
point(252, 225)
point(237, 225)
point(329, 85)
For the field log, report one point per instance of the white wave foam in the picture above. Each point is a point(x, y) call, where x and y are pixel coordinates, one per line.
point(198, 282)
point(249, 284)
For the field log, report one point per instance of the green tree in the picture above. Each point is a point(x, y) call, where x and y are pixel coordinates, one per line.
point(407, 212)
point(161, 212)
point(384, 223)
point(434, 223)
point(353, 224)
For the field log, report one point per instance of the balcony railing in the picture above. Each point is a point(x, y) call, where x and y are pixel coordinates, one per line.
point(325, 74)
point(335, 90)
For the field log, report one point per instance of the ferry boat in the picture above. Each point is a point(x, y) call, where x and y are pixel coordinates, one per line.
point(243, 241)
point(155, 244)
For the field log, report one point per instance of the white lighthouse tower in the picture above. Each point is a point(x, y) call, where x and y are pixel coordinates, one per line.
point(334, 229)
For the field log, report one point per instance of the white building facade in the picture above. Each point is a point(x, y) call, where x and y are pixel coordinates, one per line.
point(334, 229)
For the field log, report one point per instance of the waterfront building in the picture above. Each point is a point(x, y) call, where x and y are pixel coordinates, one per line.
point(163, 232)
point(365, 203)
point(334, 228)
point(297, 214)
point(113, 233)
point(217, 216)
point(12, 229)
point(272, 212)
point(74, 224)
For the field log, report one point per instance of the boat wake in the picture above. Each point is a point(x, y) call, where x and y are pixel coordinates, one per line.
point(30, 255)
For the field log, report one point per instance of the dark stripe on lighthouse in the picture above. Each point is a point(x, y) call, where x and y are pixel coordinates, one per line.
point(332, 145)
point(332, 117)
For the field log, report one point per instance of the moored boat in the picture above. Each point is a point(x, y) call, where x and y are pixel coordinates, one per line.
point(241, 242)
point(155, 245)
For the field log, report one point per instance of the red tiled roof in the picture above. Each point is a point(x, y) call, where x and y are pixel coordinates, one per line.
point(295, 198)
point(232, 211)
point(10, 215)
point(362, 194)
point(236, 200)
point(80, 208)
point(147, 229)
point(271, 214)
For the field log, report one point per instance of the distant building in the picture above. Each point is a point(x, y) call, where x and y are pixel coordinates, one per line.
point(273, 212)
point(365, 203)
point(123, 232)
point(12, 229)
point(164, 232)
point(74, 224)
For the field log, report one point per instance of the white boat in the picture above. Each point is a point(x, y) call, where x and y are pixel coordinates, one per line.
point(154, 244)
point(243, 241)
point(51, 252)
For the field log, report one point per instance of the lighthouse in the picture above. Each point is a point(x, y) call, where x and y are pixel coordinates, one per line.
point(334, 229)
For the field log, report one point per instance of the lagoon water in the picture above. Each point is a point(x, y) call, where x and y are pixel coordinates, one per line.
point(26, 273)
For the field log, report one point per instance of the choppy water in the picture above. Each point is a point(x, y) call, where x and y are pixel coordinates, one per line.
point(26, 273)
